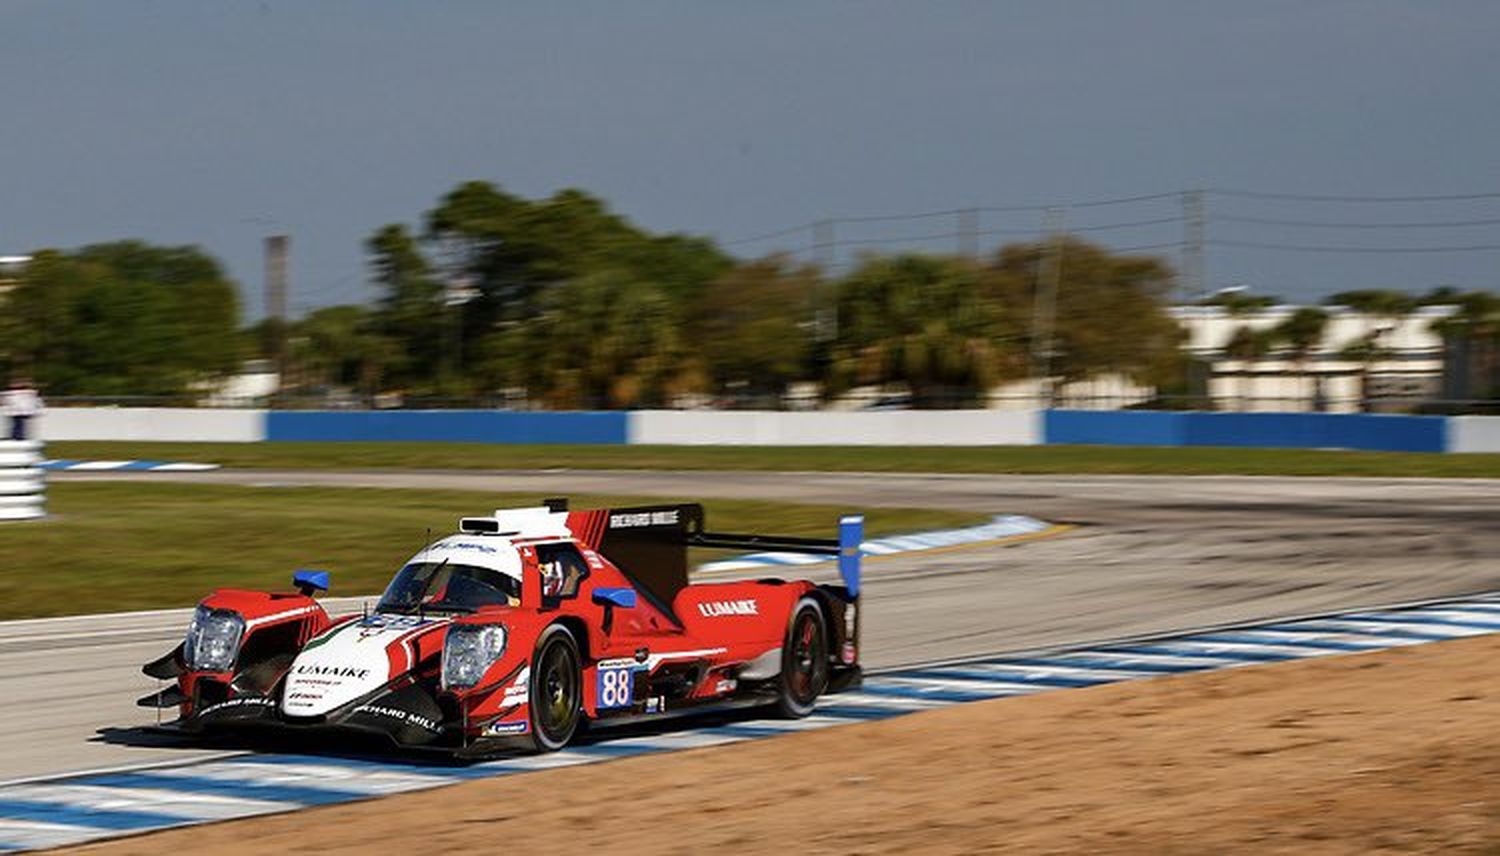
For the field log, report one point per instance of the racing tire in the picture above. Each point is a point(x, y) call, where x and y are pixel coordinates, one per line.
point(556, 693)
point(804, 661)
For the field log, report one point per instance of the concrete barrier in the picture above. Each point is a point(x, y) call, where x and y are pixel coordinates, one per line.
point(822, 428)
point(152, 424)
point(1474, 433)
point(23, 486)
point(773, 428)
point(450, 426)
point(1373, 432)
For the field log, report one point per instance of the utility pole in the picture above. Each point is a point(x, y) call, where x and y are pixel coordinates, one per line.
point(968, 233)
point(825, 253)
point(1044, 313)
point(1194, 227)
point(276, 249)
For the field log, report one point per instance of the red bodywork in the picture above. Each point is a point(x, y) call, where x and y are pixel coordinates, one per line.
point(678, 646)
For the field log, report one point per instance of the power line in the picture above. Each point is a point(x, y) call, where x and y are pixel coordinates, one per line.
point(1299, 248)
point(1305, 197)
point(779, 233)
point(1323, 224)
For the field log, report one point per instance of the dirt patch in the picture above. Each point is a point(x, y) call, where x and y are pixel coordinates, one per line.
point(1388, 752)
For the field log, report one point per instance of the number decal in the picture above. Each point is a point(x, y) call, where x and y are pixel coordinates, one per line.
point(616, 686)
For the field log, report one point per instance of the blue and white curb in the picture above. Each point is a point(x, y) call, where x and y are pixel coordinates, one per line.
point(1002, 527)
point(69, 810)
point(125, 466)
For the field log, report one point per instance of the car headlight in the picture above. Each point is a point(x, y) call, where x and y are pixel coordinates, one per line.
point(213, 640)
point(469, 651)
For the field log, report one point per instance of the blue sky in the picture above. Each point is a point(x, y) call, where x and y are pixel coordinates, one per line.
point(215, 123)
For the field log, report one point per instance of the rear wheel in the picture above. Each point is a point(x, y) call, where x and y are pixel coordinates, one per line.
point(556, 690)
point(804, 661)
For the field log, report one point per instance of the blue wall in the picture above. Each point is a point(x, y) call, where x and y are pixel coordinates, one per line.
point(1268, 430)
point(471, 426)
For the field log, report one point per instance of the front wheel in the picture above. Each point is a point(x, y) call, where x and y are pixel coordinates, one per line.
point(556, 690)
point(804, 661)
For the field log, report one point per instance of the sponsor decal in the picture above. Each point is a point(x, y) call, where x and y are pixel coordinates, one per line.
point(643, 518)
point(517, 690)
point(333, 671)
point(498, 728)
point(717, 608)
point(727, 685)
point(619, 663)
point(399, 715)
point(593, 559)
point(242, 701)
point(848, 653)
point(656, 704)
point(466, 545)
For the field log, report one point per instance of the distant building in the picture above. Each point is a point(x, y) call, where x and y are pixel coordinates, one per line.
point(1363, 362)
point(11, 268)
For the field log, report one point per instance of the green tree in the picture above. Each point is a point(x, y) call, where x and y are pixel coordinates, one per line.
point(1239, 302)
point(1248, 345)
point(339, 346)
point(1472, 336)
point(411, 317)
point(1302, 331)
point(753, 326)
point(512, 249)
point(602, 340)
point(1111, 315)
point(931, 323)
point(126, 318)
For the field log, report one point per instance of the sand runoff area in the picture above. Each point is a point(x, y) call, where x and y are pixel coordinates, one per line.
point(1391, 752)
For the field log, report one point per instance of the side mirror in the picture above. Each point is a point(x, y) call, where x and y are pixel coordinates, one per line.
point(621, 597)
point(308, 581)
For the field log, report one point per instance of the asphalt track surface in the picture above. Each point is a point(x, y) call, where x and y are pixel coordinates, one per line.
point(1149, 555)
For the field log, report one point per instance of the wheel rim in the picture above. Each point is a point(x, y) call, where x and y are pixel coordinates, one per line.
point(557, 701)
point(808, 663)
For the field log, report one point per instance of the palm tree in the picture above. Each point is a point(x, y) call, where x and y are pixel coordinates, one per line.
point(1475, 331)
point(1248, 345)
point(1367, 350)
point(1303, 332)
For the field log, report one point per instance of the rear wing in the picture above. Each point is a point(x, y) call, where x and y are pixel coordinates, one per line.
point(650, 543)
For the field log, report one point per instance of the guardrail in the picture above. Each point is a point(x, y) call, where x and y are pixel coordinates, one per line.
point(23, 486)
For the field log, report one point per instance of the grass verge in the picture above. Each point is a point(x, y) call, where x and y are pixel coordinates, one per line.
point(930, 459)
point(121, 546)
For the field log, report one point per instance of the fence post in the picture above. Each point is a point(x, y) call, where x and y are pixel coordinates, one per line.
point(23, 485)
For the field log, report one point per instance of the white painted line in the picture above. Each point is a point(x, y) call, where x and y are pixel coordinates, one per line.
point(375, 780)
point(179, 803)
point(37, 835)
point(965, 685)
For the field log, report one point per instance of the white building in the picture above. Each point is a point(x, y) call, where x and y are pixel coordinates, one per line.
point(1404, 367)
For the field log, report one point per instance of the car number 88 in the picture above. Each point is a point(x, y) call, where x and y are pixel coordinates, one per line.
point(615, 688)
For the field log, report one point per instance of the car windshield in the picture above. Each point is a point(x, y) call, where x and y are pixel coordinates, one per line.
point(445, 587)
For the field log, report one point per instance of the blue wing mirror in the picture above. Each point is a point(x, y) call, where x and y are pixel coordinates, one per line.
point(621, 597)
point(308, 581)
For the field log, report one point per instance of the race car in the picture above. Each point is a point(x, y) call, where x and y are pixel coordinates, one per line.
point(523, 628)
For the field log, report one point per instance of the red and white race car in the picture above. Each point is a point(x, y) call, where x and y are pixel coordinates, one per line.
point(521, 628)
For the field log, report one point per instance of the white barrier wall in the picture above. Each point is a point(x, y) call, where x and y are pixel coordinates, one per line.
point(23, 486)
point(1474, 433)
point(160, 424)
point(822, 428)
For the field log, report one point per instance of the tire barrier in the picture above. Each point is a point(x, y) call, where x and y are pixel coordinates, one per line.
point(23, 484)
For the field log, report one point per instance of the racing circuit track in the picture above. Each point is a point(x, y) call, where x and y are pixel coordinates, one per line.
point(1151, 554)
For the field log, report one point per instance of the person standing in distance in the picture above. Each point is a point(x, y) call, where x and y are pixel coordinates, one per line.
point(21, 403)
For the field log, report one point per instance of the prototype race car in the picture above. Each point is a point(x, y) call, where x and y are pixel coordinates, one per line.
point(521, 629)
